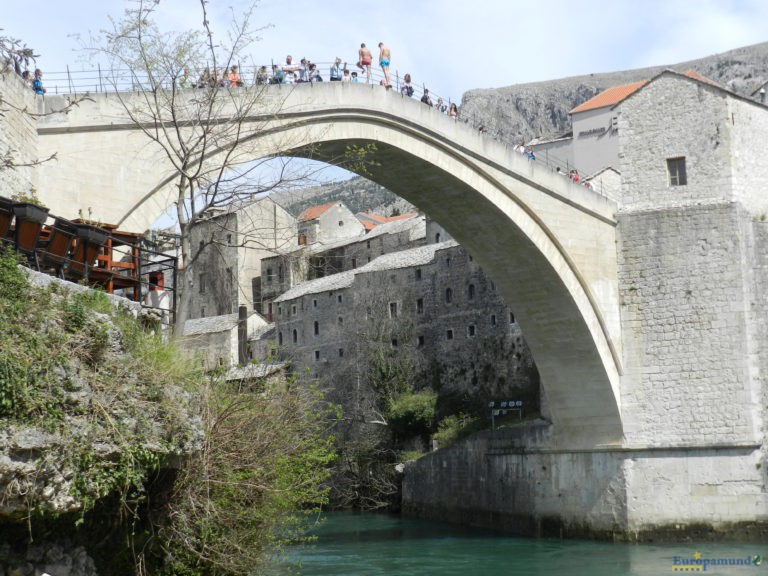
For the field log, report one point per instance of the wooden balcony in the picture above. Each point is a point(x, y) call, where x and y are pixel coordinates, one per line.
point(114, 260)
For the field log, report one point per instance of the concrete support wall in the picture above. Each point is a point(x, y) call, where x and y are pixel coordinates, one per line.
point(492, 480)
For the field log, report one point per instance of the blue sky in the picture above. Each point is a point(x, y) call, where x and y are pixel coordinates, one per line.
point(449, 45)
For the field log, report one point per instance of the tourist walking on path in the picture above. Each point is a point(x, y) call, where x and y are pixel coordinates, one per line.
point(384, 57)
point(364, 61)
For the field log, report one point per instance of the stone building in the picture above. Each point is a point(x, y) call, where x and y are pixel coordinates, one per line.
point(432, 304)
point(327, 223)
point(593, 144)
point(224, 341)
point(231, 244)
point(293, 266)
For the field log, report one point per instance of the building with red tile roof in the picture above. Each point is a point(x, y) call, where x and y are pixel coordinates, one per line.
point(609, 97)
point(314, 212)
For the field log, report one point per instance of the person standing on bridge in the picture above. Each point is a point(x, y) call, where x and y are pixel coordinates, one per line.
point(234, 77)
point(384, 63)
point(364, 61)
point(37, 83)
point(336, 70)
point(407, 88)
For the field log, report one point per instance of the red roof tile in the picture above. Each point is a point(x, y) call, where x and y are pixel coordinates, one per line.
point(315, 212)
point(696, 76)
point(609, 97)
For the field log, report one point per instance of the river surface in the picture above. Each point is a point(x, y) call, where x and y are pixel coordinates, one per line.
point(367, 544)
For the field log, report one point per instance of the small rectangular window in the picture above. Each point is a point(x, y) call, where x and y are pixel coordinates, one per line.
point(314, 303)
point(393, 309)
point(420, 306)
point(471, 331)
point(317, 354)
point(339, 299)
point(676, 170)
point(420, 341)
point(449, 334)
point(341, 352)
point(418, 273)
point(354, 262)
point(202, 283)
point(493, 319)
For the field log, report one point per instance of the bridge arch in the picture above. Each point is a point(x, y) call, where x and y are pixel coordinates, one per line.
point(548, 245)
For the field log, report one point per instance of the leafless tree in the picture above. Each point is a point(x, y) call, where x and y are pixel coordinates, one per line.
point(206, 133)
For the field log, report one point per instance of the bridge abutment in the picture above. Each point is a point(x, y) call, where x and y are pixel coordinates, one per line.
point(644, 493)
point(692, 463)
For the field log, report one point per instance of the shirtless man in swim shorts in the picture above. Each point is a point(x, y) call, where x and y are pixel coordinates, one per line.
point(384, 63)
point(365, 61)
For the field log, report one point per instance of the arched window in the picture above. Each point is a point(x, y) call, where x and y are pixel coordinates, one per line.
point(295, 336)
point(471, 291)
point(317, 328)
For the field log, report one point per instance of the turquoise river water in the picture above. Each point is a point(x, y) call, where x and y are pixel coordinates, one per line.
point(379, 544)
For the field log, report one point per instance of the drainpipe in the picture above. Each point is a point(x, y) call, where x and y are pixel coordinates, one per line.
point(242, 335)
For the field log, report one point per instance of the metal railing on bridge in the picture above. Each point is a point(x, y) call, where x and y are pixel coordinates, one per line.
point(124, 80)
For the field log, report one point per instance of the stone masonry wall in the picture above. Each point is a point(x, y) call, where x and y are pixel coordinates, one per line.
point(214, 289)
point(684, 305)
point(674, 117)
point(491, 479)
point(18, 133)
point(749, 157)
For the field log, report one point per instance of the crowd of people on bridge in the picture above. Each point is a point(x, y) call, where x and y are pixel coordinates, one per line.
point(292, 72)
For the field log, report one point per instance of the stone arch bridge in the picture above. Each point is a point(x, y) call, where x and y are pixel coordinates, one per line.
point(549, 245)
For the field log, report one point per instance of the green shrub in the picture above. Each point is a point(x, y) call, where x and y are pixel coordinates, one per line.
point(410, 455)
point(14, 287)
point(12, 385)
point(454, 427)
point(413, 413)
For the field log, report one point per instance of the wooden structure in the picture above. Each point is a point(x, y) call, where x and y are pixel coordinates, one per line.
point(98, 255)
